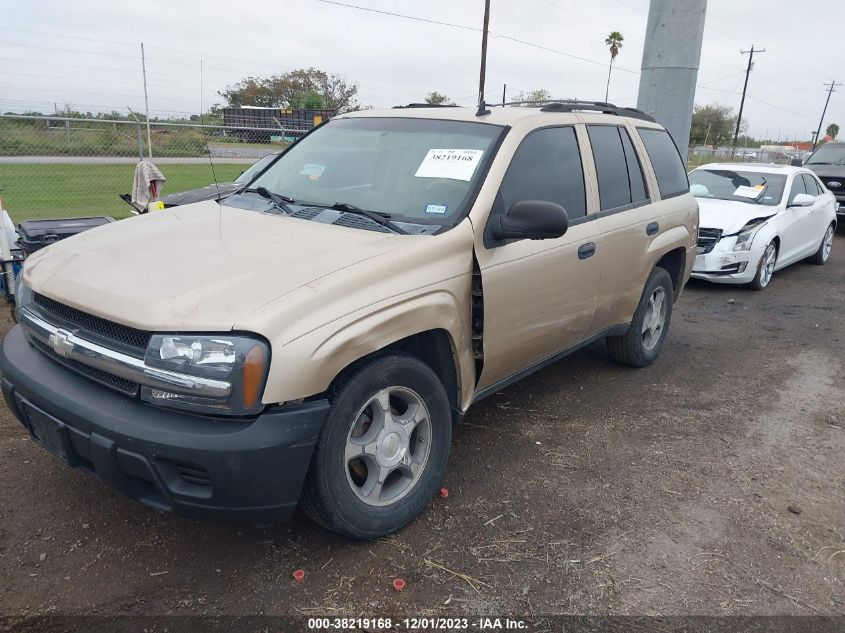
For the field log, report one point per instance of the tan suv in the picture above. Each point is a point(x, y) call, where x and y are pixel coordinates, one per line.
point(312, 338)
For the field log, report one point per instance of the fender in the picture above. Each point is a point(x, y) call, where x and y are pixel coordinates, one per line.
point(320, 355)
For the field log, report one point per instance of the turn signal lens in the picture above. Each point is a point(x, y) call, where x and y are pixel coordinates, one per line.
point(253, 374)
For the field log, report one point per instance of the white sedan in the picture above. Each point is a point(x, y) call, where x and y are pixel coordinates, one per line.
point(756, 219)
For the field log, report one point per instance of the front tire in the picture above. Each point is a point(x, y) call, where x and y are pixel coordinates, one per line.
point(823, 254)
point(641, 344)
point(383, 449)
point(765, 267)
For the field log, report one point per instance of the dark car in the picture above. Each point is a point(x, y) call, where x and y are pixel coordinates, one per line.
point(828, 162)
point(215, 191)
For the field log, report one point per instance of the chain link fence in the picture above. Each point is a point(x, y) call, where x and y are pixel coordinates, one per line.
point(69, 167)
point(714, 144)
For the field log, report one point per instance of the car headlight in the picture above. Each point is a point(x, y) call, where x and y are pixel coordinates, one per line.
point(23, 296)
point(238, 360)
point(746, 236)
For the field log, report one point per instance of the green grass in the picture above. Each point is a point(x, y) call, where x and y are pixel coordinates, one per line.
point(33, 192)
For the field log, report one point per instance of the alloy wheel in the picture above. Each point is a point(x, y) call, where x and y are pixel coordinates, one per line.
point(388, 446)
point(655, 318)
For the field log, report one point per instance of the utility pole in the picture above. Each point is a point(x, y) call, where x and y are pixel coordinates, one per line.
point(483, 52)
point(504, 93)
point(671, 56)
point(818, 132)
point(744, 88)
point(146, 103)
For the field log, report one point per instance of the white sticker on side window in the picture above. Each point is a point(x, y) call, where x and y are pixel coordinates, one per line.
point(457, 164)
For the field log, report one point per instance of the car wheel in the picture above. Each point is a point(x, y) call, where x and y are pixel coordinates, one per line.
point(641, 344)
point(765, 267)
point(823, 254)
point(383, 449)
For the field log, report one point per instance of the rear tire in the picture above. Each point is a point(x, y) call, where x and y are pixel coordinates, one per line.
point(383, 449)
point(641, 344)
point(823, 254)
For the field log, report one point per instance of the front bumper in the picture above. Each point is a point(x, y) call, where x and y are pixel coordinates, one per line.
point(723, 265)
point(192, 465)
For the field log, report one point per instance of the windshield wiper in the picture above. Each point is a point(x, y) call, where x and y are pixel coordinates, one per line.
point(378, 217)
point(280, 201)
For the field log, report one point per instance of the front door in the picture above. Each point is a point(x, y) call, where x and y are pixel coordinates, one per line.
point(539, 295)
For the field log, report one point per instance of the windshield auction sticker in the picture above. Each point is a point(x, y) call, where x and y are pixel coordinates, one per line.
point(457, 164)
point(744, 191)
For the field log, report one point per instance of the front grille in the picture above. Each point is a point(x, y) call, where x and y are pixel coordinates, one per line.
point(59, 314)
point(707, 239)
point(839, 188)
point(97, 375)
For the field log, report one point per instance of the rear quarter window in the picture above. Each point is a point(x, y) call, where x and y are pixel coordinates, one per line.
point(666, 161)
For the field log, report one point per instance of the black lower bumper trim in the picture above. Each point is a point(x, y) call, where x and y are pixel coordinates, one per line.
point(193, 465)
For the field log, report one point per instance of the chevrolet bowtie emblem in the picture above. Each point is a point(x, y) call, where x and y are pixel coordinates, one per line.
point(60, 342)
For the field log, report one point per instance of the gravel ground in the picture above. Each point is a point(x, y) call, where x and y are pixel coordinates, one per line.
point(711, 483)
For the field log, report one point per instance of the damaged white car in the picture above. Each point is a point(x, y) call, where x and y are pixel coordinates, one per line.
point(756, 219)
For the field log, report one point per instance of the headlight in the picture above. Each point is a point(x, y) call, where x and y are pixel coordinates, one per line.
point(746, 236)
point(23, 296)
point(240, 361)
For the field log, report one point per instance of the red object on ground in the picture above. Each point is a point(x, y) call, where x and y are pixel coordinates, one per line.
point(398, 584)
point(444, 492)
point(298, 575)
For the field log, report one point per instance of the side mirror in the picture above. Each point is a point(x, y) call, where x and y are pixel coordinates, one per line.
point(796, 162)
point(802, 200)
point(530, 220)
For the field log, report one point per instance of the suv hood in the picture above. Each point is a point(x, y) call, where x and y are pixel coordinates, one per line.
point(200, 267)
point(827, 170)
point(730, 215)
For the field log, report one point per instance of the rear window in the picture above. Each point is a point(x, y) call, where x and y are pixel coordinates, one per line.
point(666, 161)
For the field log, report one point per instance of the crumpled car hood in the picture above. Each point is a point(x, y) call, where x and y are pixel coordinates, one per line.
point(730, 215)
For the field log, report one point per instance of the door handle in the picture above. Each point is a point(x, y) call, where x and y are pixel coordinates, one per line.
point(652, 228)
point(586, 250)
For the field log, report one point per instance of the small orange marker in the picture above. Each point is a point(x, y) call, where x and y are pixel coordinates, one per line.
point(444, 492)
point(298, 575)
point(398, 584)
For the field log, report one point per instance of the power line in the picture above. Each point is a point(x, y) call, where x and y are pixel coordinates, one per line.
point(472, 28)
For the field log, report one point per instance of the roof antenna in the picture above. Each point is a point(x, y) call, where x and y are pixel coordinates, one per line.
point(482, 108)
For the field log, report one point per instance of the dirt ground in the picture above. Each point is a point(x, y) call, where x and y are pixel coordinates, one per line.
point(711, 483)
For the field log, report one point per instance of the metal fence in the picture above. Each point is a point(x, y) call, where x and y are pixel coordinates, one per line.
point(66, 167)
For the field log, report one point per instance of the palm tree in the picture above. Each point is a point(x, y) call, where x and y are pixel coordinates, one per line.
point(614, 41)
point(833, 130)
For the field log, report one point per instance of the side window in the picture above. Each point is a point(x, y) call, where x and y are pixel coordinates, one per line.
point(666, 161)
point(546, 166)
point(635, 169)
point(811, 185)
point(797, 187)
point(611, 166)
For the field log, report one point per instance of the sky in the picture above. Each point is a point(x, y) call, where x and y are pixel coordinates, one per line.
point(86, 53)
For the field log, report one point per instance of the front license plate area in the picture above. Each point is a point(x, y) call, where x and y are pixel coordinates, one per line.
point(698, 264)
point(47, 431)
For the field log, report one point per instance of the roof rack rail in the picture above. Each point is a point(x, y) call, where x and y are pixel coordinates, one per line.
point(570, 105)
point(425, 105)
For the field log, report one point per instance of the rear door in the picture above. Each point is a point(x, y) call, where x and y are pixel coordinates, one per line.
point(540, 295)
point(625, 221)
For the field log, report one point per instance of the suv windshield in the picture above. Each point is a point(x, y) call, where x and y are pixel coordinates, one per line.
point(415, 170)
point(252, 171)
point(832, 154)
point(743, 186)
